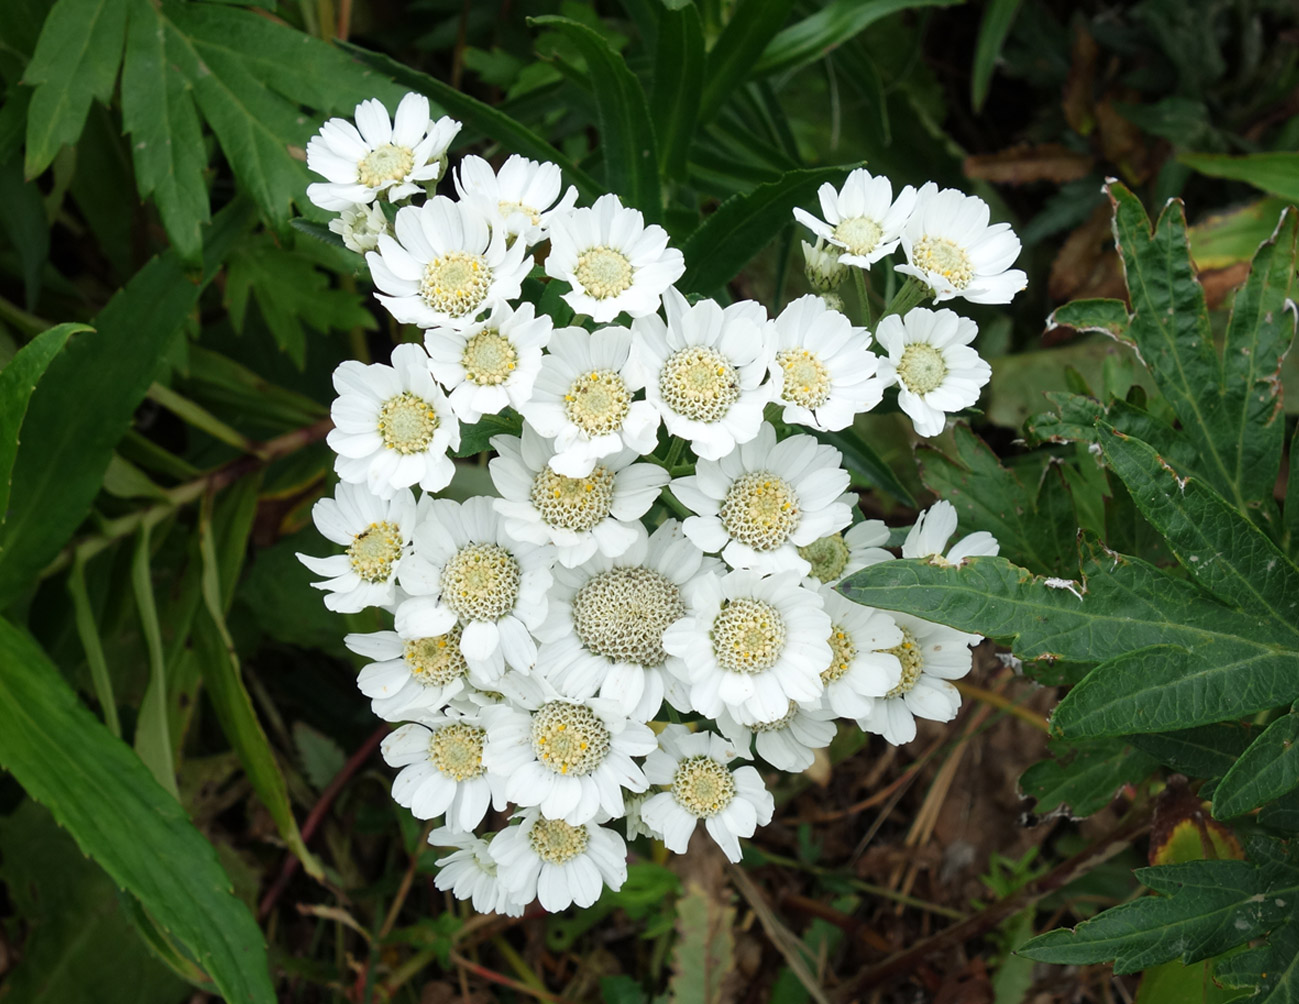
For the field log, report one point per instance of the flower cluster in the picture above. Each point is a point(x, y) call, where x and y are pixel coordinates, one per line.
point(663, 544)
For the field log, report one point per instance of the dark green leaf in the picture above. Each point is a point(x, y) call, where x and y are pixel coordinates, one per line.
point(1109, 317)
point(474, 439)
point(998, 17)
point(678, 80)
point(320, 232)
point(23, 220)
point(753, 24)
point(1272, 968)
point(1084, 778)
point(1277, 173)
point(1265, 771)
point(867, 467)
point(1208, 751)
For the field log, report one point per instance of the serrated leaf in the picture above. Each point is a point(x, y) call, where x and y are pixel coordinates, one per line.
point(1109, 317)
point(1265, 771)
point(705, 951)
point(1084, 778)
point(476, 438)
point(748, 32)
point(1277, 173)
point(1272, 969)
point(1208, 751)
point(678, 79)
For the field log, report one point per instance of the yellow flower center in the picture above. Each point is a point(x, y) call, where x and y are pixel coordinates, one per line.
point(943, 256)
point(481, 582)
point(603, 272)
point(489, 358)
point(702, 786)
point(780, 723)
point(699, 383)
point(569, 738)
point(760, 510)
point(807, 381)
point(921, 368)
point(508, 209)
point(456, 283)
point(842, 653)
point(555, 841)
point(436, 661)
point(375, 550)
point(407, 423)
point(621, 614)
point(828, 557)
point(577, 504)
point(913, 662)
point(457, 750)
point(597, 402)
point(748, 636)
point(858, 235)
point(384, 163)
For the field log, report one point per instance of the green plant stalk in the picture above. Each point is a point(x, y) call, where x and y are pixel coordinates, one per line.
point(88, 631)
point(863, 296)
point(912, 294)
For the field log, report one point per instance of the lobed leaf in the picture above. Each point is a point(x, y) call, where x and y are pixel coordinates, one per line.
point(1265, 771)
point(1084, 778)
point(1109, 317)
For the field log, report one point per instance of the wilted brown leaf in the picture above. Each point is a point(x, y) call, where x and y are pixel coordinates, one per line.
point(1087, 264)
point(1025, 163)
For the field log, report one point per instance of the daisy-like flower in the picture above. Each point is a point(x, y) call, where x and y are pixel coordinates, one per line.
point(409, 675)
point(930, 655)
point(469, 872)
point(930, 358)
point(466, 569)
point(823, 373)
point(571, 758)
point(760, 504)
point(789, 743)
point(701, 785)
point(837, 555)
point(523, 196)
point(821, 266)
point(580, 516)
point(934, 527)
point(613, 261)
point(862, 218)
point(446, 266)
point(377, 535)
point(392, 424)
point(360, 227)
point(863, 666)
point(951, 248)
point(442, 770)
point(703, 370)
point(604, 631)
point(753, 644)
point(378, 157)
point(491, 363)
point(556, 862)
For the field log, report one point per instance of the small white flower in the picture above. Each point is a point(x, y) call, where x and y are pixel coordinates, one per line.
point(613, 261)
point(446, 266)
point(951, 248)
point(931, 360)
point(931, 655)
point(491, 363)
point(582, 400)
point(377, 535)
point(703, 369)
point(360, 227)
point(523, 196)
point(862, 217)
point(377, 156)
point(571, 758)
point(823, 373)
point(604, 632)
point(392, 424)
point(761, 503)
point(753, 644)
point(465, 568)
point(788, 743)
point(581, 516)
point(702, 785)
point(837, 555)
point(863, 666)
point(469, 872)
point(934, 527)
point(442, 770)
point(560, 864)
point(409, 675)
point(821, 266)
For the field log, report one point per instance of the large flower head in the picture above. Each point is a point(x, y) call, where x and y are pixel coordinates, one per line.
point(557, 863)
point(703, 370)
point(790, 742)
point(951, 248)
point(377, 534)
point(930, 359)
point(583, 400)
point(469, 872)
point(701, 784)
point(837, 555)
point(753, 644)
point(523, 197)
point(378, 157)
point(409, 676)
point(934, 527)
point(580, 516)
point(603, 634)
point(491, 363)
point(446, 266)
point(862, 218)
point(392, 424)
point(442, 770)
point(613, 261)
point(761, 503)
point(863, 666)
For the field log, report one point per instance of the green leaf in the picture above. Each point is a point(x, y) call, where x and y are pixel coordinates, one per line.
point(866, 466)
point(744, 224)
point(1084, 778)
point(152, 735)
point(319, 231)
point(1224, 239)
point(753, 24)
point(1109, 317)
point(678, 80)
point(101, 793)
point(1265, 771)
point(1277, 173)
point(705, 951)
point(25, 224)
point(997, 20)
point(627, 141)
point(76, 59)
point(1272, 969)
point(1289, 516)
point(1208, 751)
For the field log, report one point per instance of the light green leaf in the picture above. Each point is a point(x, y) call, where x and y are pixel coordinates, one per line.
point(705, 951)
point(678, 80)
point(1277, 173)
point(752, 26)
point(998, 17)
point(1265, 771)
point(152, 736)
point(1224, 239)
point(101, 793)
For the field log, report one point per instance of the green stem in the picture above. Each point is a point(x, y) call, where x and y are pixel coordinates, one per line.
point(672, 503)
point(912, 294)
point(863, 296)
point(674, 452)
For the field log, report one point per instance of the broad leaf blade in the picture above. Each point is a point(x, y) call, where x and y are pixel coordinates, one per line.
point(1084, 778)
point(1208, 751)
point(1265, 771)
point(678, 79)
point(1277, 173)
point(751, 28)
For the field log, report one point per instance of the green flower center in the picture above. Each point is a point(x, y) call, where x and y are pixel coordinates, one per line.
point(375, 550)
point(436, 661)
point(407, 423)
point(489, 358)
point(481, 582)
point(384, 163)
point(828, 557)
point(456, 283)
point(760, 510)
point(943, 256)
point(921, 368)
point(807, 381)
point(702, 786)
point(858, 235)
point(555, 841)
point(457, 750)
point(603, 272)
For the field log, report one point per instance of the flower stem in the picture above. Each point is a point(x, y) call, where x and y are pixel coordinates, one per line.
point(863, 296)
point(674, 452)
point(913, 293)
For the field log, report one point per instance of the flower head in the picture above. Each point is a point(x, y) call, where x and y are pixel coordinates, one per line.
point(930, 359)
point(790, 742)
point(558, 863)
point(443, 770)
point(862, 218)
point(863, 666)
point(837, 555)
point(409, 676)
point(523, 197)
point(360, 227)
point(469, 872)
point(934, 527)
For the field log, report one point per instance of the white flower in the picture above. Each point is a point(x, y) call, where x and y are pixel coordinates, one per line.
point(558, 863)
point(761, 503)
point(862, 217)
point(821, 266)
point(469, 873)
point(360, 227)
point(752, 645)
point(931, 360)
point(931, 655)
point(377, 535)
point(732, 803)
point(613, 261)
point(491, 363)
point(442, 770)
point(604, 631)
point(465, 568)
point(409, 675)
point(837, 555)
point(703, 370)
point(446, 266)
point(580, 516)
point(951, 248)
point(392, 424)
point(583, 400)
point(934, 527)
point(522, 196)
point(377, 156)
point(863, 665)
point(788, 743)
point(571, 758)
point(823, 373)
